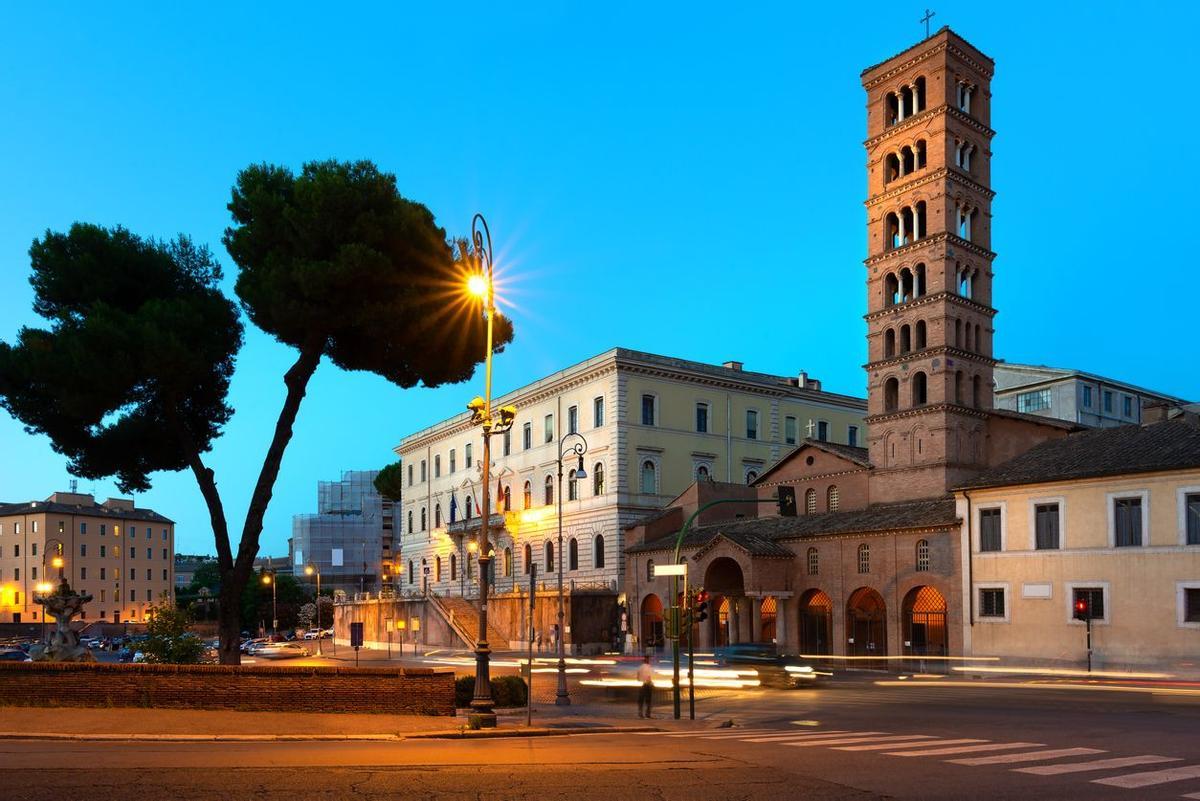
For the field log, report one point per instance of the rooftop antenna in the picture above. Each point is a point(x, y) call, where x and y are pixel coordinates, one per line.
point(74, 485)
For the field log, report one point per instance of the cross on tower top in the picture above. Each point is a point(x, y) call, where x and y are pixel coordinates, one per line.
point(928, 16)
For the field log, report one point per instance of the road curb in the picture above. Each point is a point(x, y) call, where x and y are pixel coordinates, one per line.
point(199, 738)
point(476, 734)
point(449, 734)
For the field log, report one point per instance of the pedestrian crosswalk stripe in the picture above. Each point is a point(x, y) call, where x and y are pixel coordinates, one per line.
point(1027, 756)
point(1151, 777)
point(715, 733)
point(793, 735)
point(736, 734)
point(884, 746)
point(855, 740)
point(1096, 764)
point(966, 749)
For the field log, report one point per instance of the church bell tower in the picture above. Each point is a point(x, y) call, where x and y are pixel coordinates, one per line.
point(929, 268)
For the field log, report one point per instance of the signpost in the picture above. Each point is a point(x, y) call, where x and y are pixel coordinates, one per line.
point(356, 639)
point(675, 623)
point(387, 624)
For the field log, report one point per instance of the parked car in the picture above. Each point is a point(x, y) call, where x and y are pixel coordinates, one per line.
point(312, 634)
point(281, 650)
point(13, 655)
point(774, 669)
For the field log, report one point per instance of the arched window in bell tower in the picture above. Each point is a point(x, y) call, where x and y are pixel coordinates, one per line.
point(919, 226)
point(977, 392)
point(891, 167)
point(920, 390)
point(906, 285)
point(891, 288)
point(905, 339)
point(958, 333)
point(889, 343)
point(908, 160)
point(920, 335)
point(891, 395)
point(891, 231)
point(891, 106)
point(919, 280)
point(958, 387)
point(921, 154)
point(919, 94)
point(967, 342)
point(978, 339)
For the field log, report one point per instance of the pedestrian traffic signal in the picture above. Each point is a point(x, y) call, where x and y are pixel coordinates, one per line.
point(701, 606)
point(1081, 609)
point(787, 501)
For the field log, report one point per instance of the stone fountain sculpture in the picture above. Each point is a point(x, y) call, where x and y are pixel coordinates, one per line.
point(63, 644)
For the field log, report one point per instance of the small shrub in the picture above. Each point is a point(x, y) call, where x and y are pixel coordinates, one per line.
point(507, 691)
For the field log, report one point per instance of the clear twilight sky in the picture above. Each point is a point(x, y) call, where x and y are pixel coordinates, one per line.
point(683, 179)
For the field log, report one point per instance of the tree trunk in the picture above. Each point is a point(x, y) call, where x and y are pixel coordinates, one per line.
point(229, 624)
point(235, 576)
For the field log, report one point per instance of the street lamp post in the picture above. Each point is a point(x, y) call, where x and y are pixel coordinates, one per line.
point(269, 578)
point(482, 285)
point(311, 570)
point(562, 698)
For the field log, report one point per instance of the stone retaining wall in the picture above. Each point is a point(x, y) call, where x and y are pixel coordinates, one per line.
point(269, 688)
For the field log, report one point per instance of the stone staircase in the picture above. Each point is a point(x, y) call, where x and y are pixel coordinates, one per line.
point(462, 616)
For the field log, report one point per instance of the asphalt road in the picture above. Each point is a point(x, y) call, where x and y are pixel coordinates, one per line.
point(851, 740)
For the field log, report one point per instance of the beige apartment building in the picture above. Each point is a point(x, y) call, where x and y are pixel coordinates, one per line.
point(1110, 517)
point(651, 426)
point(122, 555)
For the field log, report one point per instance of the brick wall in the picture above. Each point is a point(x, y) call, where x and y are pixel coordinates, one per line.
point(266, 688)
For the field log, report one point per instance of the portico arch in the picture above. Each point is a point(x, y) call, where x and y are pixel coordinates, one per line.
point(816, 623)
point(724, 577)
point(652, 621)
point(866, 625)
point(924, 621)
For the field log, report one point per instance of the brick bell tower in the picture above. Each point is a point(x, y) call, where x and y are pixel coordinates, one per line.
point(929, 268)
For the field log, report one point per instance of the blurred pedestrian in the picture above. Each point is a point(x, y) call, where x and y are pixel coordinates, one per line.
point(645, 675)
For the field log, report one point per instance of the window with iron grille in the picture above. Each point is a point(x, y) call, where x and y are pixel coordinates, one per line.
point(922, 556)
point(991, 602)
point(1046, 531)
point(989, 530)
point(814, 563)
point(1127, 520)
point(810, 501)
point(1095, 600)
point(864, 558)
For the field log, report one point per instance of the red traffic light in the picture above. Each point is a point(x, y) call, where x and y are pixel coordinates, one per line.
point(1081, 609)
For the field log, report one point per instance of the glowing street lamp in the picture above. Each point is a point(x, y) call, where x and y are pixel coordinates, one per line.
point(481, 284)
point(269, 578)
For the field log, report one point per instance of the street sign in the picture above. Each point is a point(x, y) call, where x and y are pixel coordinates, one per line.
point(356, 635)
point(670, 570)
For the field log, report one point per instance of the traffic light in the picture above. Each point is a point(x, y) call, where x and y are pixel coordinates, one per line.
point(701, 606)
point(787, 501)
point(1081, 609)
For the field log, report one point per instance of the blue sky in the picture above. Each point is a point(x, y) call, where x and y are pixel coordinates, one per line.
point(685, 179)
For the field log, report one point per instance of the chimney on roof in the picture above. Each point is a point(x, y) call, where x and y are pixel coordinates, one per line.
point(732, 365)
point(804, 382)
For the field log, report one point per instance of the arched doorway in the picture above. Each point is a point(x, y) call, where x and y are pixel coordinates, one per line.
point(866, 626)
point(723, 578)
point(816, 623)
point(766, 622)
point(924, 620)
point(652, 621)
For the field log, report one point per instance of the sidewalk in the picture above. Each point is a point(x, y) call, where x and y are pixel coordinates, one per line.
point(187, 725)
